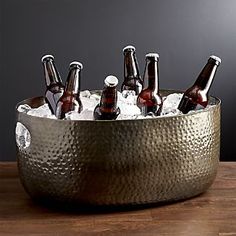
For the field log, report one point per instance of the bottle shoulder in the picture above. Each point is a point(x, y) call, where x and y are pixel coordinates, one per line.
point(70, 97)
point(195, 90)
point(148, 94)
point(197, 94)
point(57, 87)
point(132, 84)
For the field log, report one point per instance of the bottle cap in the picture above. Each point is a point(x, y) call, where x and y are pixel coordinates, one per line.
point(217, 59)
point(152, 56)
point(76, 63)
point(111, 81)
point(47, 57)
point(129, 48)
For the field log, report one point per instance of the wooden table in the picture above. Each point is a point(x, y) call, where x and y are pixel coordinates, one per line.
point(212, 213)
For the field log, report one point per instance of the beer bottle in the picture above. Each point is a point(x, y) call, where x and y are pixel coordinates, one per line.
point(149, 100)
point(196, 97)
point(70, 100)
point(107, 108)
point(53, 81)
point(132, 79)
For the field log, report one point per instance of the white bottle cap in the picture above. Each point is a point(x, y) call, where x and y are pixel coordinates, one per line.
point(111, 81)
point(129, 47)
point(152, 54)
point(47, 56)
point(79, 64)
point(215, 58)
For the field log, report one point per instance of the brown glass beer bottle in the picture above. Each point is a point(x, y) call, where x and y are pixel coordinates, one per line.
point(107, 108)
point(53, 81)
point(132, 79)
point(196, 97)
point(149, 100)
point(70, 100)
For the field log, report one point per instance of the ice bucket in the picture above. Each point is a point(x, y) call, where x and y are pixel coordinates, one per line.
point(120, 162)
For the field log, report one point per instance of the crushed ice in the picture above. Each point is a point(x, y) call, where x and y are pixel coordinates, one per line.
point(42, 111)
point(126, 102)
point(170, 104)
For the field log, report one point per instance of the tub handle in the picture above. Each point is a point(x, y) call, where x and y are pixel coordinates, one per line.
point(22, 133)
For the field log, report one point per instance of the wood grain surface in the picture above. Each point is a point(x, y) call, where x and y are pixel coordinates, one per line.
point(212, 213)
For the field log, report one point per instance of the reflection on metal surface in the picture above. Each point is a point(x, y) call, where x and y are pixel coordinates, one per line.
point(121, 161)
point(23, 137)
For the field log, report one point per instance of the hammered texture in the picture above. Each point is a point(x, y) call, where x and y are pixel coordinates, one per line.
point(120, 162)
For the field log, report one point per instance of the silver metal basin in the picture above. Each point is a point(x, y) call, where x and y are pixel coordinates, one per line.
point(122, 161)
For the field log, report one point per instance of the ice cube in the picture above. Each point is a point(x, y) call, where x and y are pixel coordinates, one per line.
point(88, 103)
point(83, 115)
point(51, 117)
point(174, 112)
point(140, 117)
point(137, 117)
point(129, 98)
point(85, 94)
point(95, 97)
point(126, 93)
point(126, 117)
point(120, 97)
point(127, 105)
point(170, 104)
point(42, 111)
point(126, 109)
point(24, 108)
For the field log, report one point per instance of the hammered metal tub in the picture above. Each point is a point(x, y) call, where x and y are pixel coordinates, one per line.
point(120, 162)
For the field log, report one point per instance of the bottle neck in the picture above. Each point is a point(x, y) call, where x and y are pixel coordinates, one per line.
point(151, 75)
point(131, 69)
point(51, 74)
point(206, 76)
point(73, 81)
point(108, 101)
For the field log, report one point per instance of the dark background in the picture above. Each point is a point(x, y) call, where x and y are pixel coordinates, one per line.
point(183, 32)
